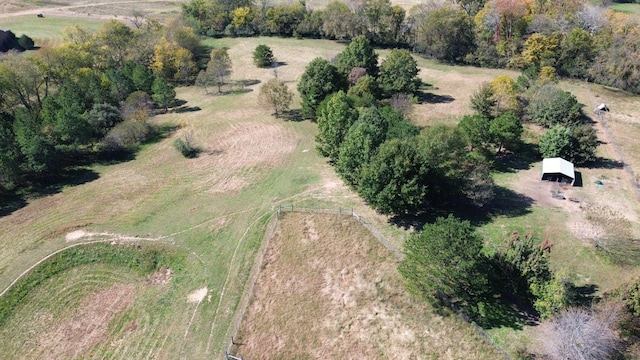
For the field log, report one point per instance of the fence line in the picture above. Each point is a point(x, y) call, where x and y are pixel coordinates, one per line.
point(257, 266)
point(253, 278)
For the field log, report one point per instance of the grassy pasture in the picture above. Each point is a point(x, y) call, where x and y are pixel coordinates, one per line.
point(216, 206)
point(626, 8)
point(328, 289)
point(46, 31)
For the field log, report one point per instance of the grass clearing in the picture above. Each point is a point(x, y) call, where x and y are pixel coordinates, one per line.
point(328, 289)
point(215, 207)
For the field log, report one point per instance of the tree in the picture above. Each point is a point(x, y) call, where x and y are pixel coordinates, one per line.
point(476, 129)
point(445, 34)
point(320, 78)
point(553, 296)
point(576, 54)
point(505, 94)
point(577, 144)
point(365, 92)
point(483, 101)
point(393, 182)
point(339, 22)
point(505, 130)
point(550, 105)
point(398, 73)
point(541, 50)
point(163, 93)
point(263, 56)
point(584, 142)
point(358, 54)
point(276, 95)
point(335, 117)
point(442, 263)
point(219, 67)
point(360, 144)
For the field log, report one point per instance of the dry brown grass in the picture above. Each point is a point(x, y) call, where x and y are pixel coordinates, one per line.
point(329, 290)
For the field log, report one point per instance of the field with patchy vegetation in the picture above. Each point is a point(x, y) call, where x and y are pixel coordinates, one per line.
point(214, 209)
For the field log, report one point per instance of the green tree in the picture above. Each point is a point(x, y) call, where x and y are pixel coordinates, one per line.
point(584, 142)
point(399, 73)
point(555, 142)
point(359, 53)
point(393, 182)
point(263, 56)
point(365, 92)
point(319, 79)
point(360, 144)
point(276, 95)
point(553, 296)
point(445, 34)
point(163, 93)
point(103, 117)
point(339, 22)
point(505, 130)
point(219, 67)
point(335, 117)
point(576, 54)
point(476, 129)
point(443, 263)
point(550, 105)
point(483, 101)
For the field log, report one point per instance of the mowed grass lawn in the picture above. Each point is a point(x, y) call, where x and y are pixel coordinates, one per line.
point(215, 208)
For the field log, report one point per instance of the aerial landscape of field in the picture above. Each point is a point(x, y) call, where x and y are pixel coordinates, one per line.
point(159, 256)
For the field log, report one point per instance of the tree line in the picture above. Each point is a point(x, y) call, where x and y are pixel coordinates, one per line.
point(575, 38)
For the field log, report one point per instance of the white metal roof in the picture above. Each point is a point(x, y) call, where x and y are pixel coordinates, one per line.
point(558, 165)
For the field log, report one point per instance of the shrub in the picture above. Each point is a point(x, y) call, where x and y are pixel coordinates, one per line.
point(263, 56)
point(186, 148)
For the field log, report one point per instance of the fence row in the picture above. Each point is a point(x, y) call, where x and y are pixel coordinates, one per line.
point(255, 271)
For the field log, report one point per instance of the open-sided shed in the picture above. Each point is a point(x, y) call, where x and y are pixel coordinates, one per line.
point(559, 170)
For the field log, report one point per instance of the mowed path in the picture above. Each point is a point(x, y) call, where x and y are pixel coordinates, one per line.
point(68, 9)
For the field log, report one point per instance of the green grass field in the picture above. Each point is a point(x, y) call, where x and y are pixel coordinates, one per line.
point(626, 8)
point(215, 209)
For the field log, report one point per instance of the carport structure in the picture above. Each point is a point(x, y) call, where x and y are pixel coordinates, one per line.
point(558, 170)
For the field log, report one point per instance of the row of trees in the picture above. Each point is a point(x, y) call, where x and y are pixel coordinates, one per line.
point(361, 129)
point(93, 93)
point(574, 38)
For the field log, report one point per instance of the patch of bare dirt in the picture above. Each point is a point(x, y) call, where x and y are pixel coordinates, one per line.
point(160, 277)
point(89, 324)
point(198, 295)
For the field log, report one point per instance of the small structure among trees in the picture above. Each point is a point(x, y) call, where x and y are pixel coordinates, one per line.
point(558, 169)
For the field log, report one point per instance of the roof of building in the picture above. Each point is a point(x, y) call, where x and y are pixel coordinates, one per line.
point(558, 165)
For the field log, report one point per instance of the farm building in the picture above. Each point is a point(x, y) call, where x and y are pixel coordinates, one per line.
point(558, 169)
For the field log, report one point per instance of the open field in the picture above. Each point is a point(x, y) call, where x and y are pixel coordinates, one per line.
point(327, 289)
point(215, 208)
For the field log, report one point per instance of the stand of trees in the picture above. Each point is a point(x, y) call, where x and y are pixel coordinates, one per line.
point(575, 39)
point(92, 94)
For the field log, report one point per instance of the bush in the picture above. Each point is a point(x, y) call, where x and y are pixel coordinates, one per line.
point(186, 148)
point(263, 56)
point(127, 134)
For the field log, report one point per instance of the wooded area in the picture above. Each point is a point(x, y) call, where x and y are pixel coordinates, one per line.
point(575, 38)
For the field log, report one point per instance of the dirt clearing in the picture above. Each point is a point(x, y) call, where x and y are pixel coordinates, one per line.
point(329, 290)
